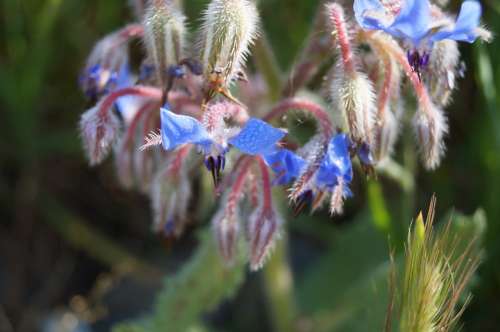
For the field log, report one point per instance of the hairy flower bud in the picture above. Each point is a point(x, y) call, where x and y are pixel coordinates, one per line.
point(164, 35)
point(263, 230)
point(107, 65)
point(229, 28)
point(226, 227)
point(385, 135)
point(170, 194)
point(99, 132)
point(353, 96)
point(443, 71)
point(430, 127)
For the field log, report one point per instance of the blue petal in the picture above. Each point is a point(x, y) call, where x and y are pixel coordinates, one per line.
point(466, 24)
point(257, 137)
point(286, 164)
point(336, 163)
point(124, 78)
point(181, 129)
point(413, 21)
point(363, 10)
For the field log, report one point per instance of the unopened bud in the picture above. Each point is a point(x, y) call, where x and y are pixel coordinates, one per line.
point(263, 231)
point(443, 71)
point(353, 96)
point(385, 135)
point(164, 35)
point(229, 28)
point(170, 195)
point(124, 164)
point(99, 132)
point(107, 65)
point(430, 127)
point(226, 229)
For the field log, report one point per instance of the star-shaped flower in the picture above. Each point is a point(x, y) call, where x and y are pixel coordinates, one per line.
point(255, 138)
point(415, 23)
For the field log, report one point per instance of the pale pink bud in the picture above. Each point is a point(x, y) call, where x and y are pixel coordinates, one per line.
point(263, 231)
point(170, 195)
point(385, 135)
point(430, 127)
point(226, 228)
point(99, 132)
point(353, 97)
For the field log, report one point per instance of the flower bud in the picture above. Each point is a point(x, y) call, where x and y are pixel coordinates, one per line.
point(229, 28)
point(385, 135)
point(430, 127)
point(226, 229)
point(170, 194)
point(107, 65)
point(98, 132)
point(353, 96)
point(164, 36)
point(263, 230)
point(124, 164)
point(443, 71)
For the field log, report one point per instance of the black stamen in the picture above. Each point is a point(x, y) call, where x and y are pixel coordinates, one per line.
point(303, 200)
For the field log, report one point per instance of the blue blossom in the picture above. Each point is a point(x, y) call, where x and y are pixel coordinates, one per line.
point(286, 164)
point(336, 166)
point(255, 138)
point(415, 23)
point(98, 80)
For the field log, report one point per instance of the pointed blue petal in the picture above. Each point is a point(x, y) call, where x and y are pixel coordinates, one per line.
point(465, 26)
point(336, 163)
point(286, 164)
point(181, 129)
point(413, 21)
point(364, 10)
point(124, 78)
point(257, 137)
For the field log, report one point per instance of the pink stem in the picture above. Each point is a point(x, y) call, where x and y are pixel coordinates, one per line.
point(148, 107)
point(143, 91)
point(338, 21)
point(316, 110)
point(238, 185)
point(386, 88)
point(180, 156)
point(266, 185)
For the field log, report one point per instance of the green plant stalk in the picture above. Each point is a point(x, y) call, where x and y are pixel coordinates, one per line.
point(202, 284)
point(279, 288)
point(267, 65)
point(82, 236)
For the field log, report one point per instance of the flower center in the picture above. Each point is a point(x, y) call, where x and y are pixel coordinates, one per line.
point(418, 61)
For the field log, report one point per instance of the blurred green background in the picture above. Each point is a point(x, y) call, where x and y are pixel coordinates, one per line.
point(72, 241)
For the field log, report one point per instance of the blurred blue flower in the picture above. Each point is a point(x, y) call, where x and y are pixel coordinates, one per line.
point(336, 166)
point(255, 138)
point(415, 23)
point(98, 80)
point(286, 164)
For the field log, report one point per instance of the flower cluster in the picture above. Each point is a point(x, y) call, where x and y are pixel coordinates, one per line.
point(175, 113)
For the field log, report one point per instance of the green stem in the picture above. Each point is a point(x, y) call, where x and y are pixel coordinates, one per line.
point(279, 287)
point(268, 66)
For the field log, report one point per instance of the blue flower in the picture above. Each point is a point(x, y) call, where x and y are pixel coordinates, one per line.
point(415, 23)
point(286, 164)
point(336, 166)
point(98, 80)
point(255, 138)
